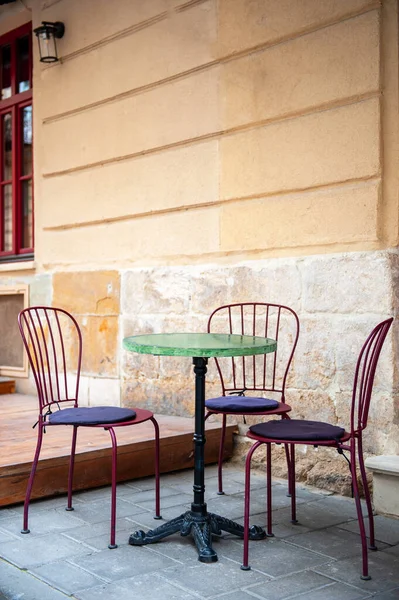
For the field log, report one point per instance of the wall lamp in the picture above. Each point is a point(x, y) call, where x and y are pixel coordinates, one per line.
point(47, 34)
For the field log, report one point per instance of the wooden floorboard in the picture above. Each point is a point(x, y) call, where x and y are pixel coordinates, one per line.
point(93, 454)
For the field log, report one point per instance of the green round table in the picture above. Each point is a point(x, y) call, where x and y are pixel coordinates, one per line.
point(199, 346)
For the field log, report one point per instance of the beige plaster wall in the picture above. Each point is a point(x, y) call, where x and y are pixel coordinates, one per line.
point(233, 130)
point(230, 128)
point(13, 16)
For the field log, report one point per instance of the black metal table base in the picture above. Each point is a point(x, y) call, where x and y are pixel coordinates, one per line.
point(201, 527)
point(197, 521)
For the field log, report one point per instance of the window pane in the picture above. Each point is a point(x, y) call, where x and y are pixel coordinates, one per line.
point(7, 218)
point(23, 64)
point(7, 147)
point(27, 215)
point(5, 59)
point(27, 140)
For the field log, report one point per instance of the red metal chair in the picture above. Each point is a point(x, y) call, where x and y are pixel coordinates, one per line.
point(262, 374)
point(317, 433)
point(53, 341)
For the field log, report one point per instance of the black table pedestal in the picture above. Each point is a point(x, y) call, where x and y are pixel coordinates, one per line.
point(201, 528)
point(197, 521)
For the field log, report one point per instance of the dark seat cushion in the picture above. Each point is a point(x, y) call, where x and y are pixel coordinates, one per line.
point(242, 404)
point(95, 415)
point(297, 430)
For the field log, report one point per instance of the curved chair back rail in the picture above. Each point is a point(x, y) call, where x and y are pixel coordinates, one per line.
point(264, 372)
point(316, 433)
point(53, 342)
point(253, 376)
point(364, 376)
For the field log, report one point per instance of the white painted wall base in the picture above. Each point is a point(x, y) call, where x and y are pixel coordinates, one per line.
point(385, 483)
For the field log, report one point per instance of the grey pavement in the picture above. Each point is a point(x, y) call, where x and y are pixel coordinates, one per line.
point(66, 554)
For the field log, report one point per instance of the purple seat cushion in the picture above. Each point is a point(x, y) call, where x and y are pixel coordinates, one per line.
point(242, 404)
point(95, 415)
point(297, 430)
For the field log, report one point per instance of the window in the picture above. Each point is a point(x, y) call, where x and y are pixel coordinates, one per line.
point(13, 359)
point(16, 157)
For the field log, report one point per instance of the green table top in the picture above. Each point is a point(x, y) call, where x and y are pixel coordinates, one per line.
point(199, 344)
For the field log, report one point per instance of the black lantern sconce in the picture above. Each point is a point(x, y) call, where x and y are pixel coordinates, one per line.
point(47, 34)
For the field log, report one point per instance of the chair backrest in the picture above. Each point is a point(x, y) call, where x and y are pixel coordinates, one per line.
point(267, 372)
point(53, 342)
point(364, 375)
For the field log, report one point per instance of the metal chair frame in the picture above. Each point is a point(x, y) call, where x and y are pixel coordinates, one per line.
point(41, 332)
point(352, 442)
point(259, 381)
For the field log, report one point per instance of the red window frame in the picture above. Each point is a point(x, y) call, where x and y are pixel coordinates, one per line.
point(14, 105)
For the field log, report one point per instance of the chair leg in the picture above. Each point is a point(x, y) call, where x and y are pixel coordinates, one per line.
point(112, 544)
point(245, 566)
point(25, 528)
point(365, 574)
point(269, 489)
point(293, 490)
point(71, 468)
point(288, 457)
point(157, 489)
point(220, 461)
point(372, 545)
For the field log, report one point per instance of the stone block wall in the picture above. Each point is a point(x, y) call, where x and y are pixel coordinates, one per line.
point(339, 298)
point(215, 130)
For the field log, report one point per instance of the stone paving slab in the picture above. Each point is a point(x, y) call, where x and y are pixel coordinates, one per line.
point(66, 577)
point(331, 542)
point(144, 587)
point(122, 562)
point(383, 567)
point(66, 555)
point(39, 550)
point(48, 504)
point(100, 510)
point(100, 538)
point(274, 557)
point(42, 523)
point(333, 591)
point(145, 520)
point(392, 595)
point(316, 515)
point(386, 530)
point(5, 537)
point(16, 584)
point(7, 513)
point(169, 501)
point(213, 579)
point(302, 584)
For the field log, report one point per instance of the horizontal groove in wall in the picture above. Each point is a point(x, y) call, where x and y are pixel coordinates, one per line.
point(116, 36)
point(213, 204)
point(129, 30)
point(222, 257)
point(341, 103)
point(129, 93)
point(188, 5)
point(189, 72)
point(49, 4)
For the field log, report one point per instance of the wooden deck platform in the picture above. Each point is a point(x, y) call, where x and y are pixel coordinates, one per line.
point(93, 460)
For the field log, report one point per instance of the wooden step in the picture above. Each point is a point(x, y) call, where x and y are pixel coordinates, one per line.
point(7, 385)
point(93, 453)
